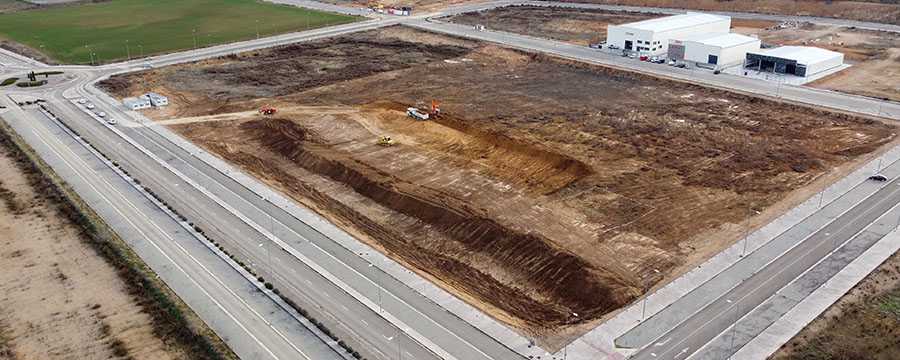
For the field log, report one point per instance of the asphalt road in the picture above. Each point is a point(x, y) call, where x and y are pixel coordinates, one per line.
point(223, 298)
point(299, 270)
point(700, 328)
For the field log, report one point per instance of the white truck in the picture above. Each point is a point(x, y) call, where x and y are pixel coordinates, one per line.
point(416, 114)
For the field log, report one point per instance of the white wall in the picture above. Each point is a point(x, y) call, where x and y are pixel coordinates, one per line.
point(617, 34)
point(737, 54)
point(694, 51)
point(824, 64)
point(721, 26)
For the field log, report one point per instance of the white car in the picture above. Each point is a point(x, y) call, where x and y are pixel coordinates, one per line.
point(89, 106)
point(82, 101)
point(111, 121)
point(101, 114)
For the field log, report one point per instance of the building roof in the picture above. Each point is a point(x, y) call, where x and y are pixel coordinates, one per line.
point(132, 99)
point(802, 54)
point(722, 40)
point(675, 22)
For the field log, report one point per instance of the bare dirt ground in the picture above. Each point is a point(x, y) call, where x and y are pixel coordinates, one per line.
point(863, 324)
point(886, 11)
point(548, 184)
point(58, 299)
point(417, 5)
point(875, 55)
point(576, 26)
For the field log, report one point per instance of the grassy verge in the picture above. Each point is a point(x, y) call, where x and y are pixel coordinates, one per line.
point(173, 320)
point(30, 83)
point(8, 81)
point(115, 29)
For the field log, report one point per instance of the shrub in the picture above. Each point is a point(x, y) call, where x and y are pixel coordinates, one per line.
point(9, 81)
point(30, 83)
point(269, 286)
point(260, 279)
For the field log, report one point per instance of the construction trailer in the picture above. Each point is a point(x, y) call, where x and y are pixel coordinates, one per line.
point(155, 99)
point(797, 60)
point(651, 37)
point(719, 49)
point(134, 103)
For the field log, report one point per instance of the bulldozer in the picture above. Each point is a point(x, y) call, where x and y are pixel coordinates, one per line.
point(386, 141)
point(435, 111)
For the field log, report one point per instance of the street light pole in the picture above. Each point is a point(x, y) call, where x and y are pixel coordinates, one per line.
point(91, 50)
point(378, 274)
point(737, 309)
point(127, 52)
point(566, 346)
point(832, 256)
point(142, 50)
point(647, 288)
point(747, 229)
point(257, 28)
point(194, 36)
point(209, 39)
point(271, 231)
point(276, 29)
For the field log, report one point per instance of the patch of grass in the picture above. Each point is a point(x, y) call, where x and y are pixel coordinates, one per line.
point(152, 27)
point(8, 81)
point(30, 83)
point(45, 73)
point(890, 304)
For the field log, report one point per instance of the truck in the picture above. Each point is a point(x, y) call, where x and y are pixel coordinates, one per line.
point(416, 114)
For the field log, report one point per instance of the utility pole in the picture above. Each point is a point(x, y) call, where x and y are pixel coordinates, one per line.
point(647, 288)
point(91, 50)
point(566, 346)
point(127, 52)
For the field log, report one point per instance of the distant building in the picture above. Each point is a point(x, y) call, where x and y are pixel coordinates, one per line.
point(797, 60)
point(134, 103)
point(155, 99)
point(719, 49)
point(652, 36)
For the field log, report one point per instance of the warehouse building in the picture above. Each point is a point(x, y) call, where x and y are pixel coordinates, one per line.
point(797, 60)
point(652, 36)
point(720, 49)
point(136, 104)
point(155, 99)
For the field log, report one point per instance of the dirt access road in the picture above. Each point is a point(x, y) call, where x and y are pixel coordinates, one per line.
point(546, 185)
point(576, 26)
point(58, 298)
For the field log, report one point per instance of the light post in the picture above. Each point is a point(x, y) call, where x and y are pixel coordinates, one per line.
point(127, 52)
point(271, 231)
point(737, 308)
point(91, 51)
point(98, 58)
point(833, 254)
point(747, 229)
point(194, 36)
point(257, 28)
point(647, 288)
point(209, 39)
point(307, 21)
point(566, 346)
point(399, 350)
point(276, 29)
point(378, 274)
point(142, 50)
point(822, 195)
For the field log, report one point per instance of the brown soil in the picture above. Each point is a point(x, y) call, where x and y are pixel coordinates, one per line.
point(576, 26)
point(60, 300)
point(875, 56)
point(548, 184)
point(883, 11)
point(417, 5)
point(862, 324)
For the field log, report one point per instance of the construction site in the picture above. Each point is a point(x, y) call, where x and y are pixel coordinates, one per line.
point(541, 185)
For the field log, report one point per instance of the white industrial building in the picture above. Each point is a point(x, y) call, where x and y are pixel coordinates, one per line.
point(155, 99)
point(134, 103)
point(797, 60)
point(720, 49)
point(652, 36)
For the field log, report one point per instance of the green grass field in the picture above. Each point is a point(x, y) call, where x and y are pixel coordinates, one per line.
point(152, 27)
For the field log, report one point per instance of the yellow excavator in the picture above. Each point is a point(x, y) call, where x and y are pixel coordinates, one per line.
point(386, 141)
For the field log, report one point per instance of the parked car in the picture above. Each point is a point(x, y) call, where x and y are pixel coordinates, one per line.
point(671, 62)
point(654, 59)
point(878, 177)
point(101, 114)
point(717, 72)
point(624, 54)
point(612, 47)
point(82, 101)
point(111, 121)
point(687, 66)
point(633, 56)
point(89, 106)
point(681, 65)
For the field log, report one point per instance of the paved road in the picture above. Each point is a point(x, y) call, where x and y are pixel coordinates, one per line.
point(250, 323)
point(698, 329)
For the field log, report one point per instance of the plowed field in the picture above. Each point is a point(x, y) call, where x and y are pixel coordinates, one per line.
point(546, 185)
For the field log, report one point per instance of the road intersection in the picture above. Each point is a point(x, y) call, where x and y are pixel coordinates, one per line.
point(366, 305)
